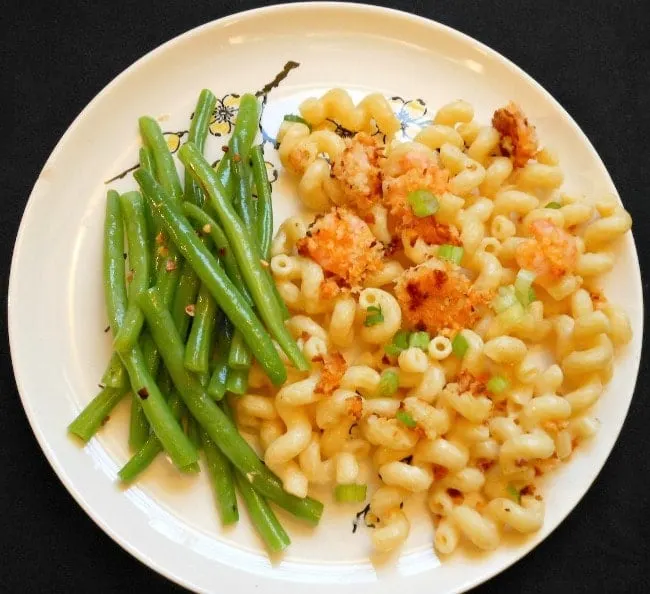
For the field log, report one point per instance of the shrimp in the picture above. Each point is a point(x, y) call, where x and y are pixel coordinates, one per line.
point(358, 170)
point(550, 254)
point(518, 137)
point(416, 169)
point(343, 245)
point(435, 296)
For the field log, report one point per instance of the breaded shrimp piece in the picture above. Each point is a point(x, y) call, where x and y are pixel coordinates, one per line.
point(550, 254)
point(518, 137)
point(434, 296)
point(343, 245)
point(414, 170)
point(358, 169)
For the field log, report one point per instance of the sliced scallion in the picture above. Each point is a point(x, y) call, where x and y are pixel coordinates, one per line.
point(350, 493)
point(423, 203)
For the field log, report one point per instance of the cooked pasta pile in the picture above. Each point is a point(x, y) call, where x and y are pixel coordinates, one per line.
point(445, 290)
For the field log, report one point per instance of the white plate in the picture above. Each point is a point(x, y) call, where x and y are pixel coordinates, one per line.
point(56, 312)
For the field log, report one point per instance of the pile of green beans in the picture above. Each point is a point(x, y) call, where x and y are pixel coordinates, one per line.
point(191, 306)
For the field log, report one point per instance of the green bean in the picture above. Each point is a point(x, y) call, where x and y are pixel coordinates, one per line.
point(114, 375)
point(139, 439)
point(114, 281)
point(243, 196)
point(240, 356)
point(141, 460)
point(165, 167)
point(197, 134)
point(262, 517)
point(258, 281)
point(246, 126)
point(261, 514)
point(192, 431)
point(146, 162)
point(139, 430)
point(90, 419)
point(226, 255)
point(186, 290)
point(218, 379)
point(217, 385)
point(221, 477)
point(95, 414)
point(132, 206)
point(223, 290)
point(265, 217)
point(197, 349)
point(224, 172)
point(168, 273)
point(212, 419)
point(160, 417)
point(200, 335)
point(237, 381)
point(264, 203)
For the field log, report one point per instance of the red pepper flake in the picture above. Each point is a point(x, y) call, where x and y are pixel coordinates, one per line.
point(143, 393)
point(225, 148)
point(129, 275)
point(223, 251)
point(163, 250)
point(236, 157)
point(107, 329)
point(160, 238)
point(454, 494)
point(189, 310)
point(105, 420)
point(171, 265)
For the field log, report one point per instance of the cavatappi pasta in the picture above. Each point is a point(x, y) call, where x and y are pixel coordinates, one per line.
point(424, 287)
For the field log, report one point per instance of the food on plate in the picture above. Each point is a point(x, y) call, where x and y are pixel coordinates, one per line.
point(432, 324)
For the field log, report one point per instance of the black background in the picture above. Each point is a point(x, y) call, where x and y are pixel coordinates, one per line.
point(594, 57)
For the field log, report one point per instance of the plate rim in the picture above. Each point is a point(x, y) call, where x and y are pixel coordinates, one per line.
point(123, 541)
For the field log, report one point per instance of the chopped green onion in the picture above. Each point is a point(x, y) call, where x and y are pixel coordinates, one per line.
point(401, 339)
point(419, 340)
point(511, 316)
point(392, 349)
point(423, 203)
point(350, 493)
point(531, 295)
point(374, 316)
point(405, 418)
point(399, 344)
point(505, 299)
point(497, 384)
point(514, 493)
point(453, 253)
point(554, 205)
point(459, 345)
point(523, 283)
point(388, 383)
point(290, 117)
